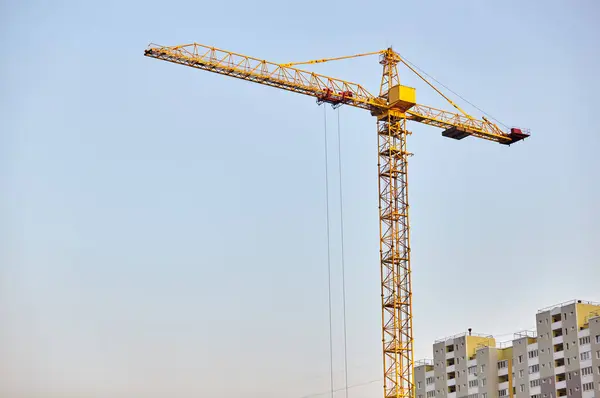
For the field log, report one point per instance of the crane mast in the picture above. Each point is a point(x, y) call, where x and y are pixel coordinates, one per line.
point(393, 107)
point(394, 243)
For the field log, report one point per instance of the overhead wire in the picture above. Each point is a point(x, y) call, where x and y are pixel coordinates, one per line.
point(341, 389)
point(342, 250)
point(328, 255)
point(453, 92)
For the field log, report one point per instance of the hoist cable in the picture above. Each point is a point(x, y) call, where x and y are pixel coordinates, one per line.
point(328, 255)
point(342, 249)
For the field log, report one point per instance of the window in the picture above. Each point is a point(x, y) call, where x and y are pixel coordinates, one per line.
point(482, 368)
point(598, 339)
point(584, 340)
point(472, 395)
point(587, 371)
point(534, 383)
point(536, 396)
point(587, 386)
point(473, 383)
point(599, 370)
point(520, 358)
point(472, 370)
point(484, 395)
point(534, 368)
point(503, 364)
point(567, 346)
point(419, 385)
point(568, 361)
point(521, 372)
point(429, 380)
point(533, 353)
point(598, 354)
point(431, 394)
point(522, 388)
point(503, 393)
point(458, 373)
point(483, 382)
point(585, 355)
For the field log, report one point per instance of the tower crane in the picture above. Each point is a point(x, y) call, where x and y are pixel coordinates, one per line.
point(393, 108)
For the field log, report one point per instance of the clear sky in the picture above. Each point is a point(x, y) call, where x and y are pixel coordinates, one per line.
point(163, 228)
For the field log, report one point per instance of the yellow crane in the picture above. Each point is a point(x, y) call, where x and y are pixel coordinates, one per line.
point(393, 107)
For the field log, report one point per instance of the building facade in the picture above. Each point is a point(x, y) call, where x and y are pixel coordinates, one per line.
point(561, 358)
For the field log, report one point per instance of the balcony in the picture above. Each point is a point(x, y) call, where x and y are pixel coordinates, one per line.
point(450, 369)
point(556, 318)
point(559, 355)
point(451, 382)
point(449, 354)
point(557, 340)
point(557, 332)
point(561, 384)
point(559, 370)
point(503, 385)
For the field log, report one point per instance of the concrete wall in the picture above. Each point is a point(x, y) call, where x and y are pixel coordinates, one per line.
point(595, 336)
point(488, 358)
point(544, 332)
point(420, 385)
point(439, 363)
point(521, 370)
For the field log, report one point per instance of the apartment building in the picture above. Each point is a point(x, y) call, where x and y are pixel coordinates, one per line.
point(561, 358)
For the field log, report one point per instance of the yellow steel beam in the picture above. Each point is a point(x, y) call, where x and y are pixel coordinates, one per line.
point(319, 61)
point(268, 73)
point(316, 85)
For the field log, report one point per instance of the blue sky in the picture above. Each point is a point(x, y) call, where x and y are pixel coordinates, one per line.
point(164, 228)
